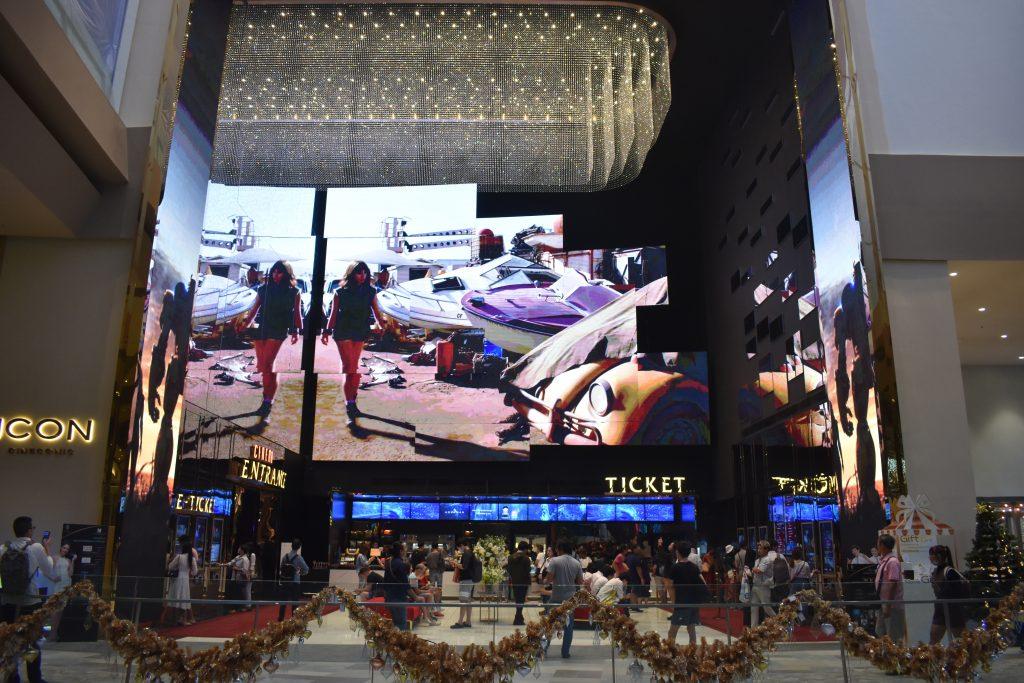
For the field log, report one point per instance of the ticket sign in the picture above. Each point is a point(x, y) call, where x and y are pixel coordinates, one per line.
point(190, 503)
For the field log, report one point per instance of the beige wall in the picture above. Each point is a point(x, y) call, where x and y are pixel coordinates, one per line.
point(933, 415)
point(61, 303)
point(995, 413)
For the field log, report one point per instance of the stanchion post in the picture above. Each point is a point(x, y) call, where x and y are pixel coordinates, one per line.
point(135, 620)
point(728, 625)
point(613, 660)
point(842, 657)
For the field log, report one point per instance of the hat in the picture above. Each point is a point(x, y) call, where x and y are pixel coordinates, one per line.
point(728, 549)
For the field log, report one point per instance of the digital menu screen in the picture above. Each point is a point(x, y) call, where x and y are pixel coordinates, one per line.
point(454, 511)
point(541, 512)
point(422, 510)
point(337, 506)
point(658, 512)
point(571, 512)
point(600, 512)
point(626, 512)
point(392, 509)
point(366, 509)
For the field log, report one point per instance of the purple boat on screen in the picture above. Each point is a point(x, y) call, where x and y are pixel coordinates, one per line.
point(519, 317)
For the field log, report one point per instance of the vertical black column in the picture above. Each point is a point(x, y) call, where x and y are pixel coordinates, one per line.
point(314, 324)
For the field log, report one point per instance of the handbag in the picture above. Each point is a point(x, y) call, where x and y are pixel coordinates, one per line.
point(745, 589)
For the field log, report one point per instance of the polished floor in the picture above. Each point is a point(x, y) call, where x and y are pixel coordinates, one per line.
point(335, 653)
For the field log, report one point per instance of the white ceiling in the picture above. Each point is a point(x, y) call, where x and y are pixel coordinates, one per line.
point(998, 286)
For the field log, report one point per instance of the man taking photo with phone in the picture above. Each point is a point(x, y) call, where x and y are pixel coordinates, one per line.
point(20, 562)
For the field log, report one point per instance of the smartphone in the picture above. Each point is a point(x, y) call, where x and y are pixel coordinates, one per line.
point(46, 535)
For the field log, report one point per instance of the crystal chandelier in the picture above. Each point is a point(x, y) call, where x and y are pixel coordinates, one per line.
point(549, 97)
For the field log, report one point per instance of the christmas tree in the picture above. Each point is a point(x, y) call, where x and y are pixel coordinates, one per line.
point(996, 562)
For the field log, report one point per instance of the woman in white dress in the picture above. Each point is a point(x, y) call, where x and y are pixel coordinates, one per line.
point(182, 567)
point(63, 570)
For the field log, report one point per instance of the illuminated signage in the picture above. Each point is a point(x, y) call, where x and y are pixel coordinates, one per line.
point(815, 485)
point(187, 502)
point(49, 429)
point(655, 485)
point(260, 468)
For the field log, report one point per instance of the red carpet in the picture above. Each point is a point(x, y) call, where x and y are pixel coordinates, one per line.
point(229, 625)
point(716, 619)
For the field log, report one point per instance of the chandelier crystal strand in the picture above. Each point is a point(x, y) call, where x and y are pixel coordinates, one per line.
point(514, 97)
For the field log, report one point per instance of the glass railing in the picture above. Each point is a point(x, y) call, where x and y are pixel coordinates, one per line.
point(489, 615)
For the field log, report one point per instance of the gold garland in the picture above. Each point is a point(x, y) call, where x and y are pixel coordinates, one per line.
point(413, 658)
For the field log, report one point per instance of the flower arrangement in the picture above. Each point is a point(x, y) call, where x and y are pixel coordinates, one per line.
point(493, 553)
point(412, 658)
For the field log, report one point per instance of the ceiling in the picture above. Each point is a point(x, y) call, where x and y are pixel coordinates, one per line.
point(998, 287)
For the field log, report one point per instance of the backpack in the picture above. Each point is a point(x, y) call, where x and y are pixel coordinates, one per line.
point(477, 569)
point(14, 571)
point(288, 567)
point(780, 571)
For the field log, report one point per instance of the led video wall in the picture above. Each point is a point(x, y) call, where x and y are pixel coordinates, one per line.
point(477, 509)
point(457, 338)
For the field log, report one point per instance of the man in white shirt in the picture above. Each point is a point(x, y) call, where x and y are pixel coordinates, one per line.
point(23, 560)
point(241, 576)
point(694, 556)
point(859, 557)
point(613, 589)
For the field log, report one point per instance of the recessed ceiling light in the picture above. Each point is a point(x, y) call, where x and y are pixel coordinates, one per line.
point(1020, 357)
point(954, 274)
point(1003, 336)
point(982, 309)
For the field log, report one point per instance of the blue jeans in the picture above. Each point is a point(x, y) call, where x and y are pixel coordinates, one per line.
point(399, 617)
point(567, 633)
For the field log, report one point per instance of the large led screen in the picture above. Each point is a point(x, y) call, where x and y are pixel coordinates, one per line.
point(441, 336)
point(443, 330)
point(254, 277)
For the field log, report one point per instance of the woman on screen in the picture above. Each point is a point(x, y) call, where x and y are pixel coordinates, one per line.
point(353, 302)
point(278, 312)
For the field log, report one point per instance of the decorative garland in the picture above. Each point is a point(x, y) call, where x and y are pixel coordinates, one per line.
point(413, 658)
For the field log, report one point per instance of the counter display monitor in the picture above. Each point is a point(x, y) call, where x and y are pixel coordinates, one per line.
point(600, 512)
point(391, 509)
point(483, 512)
point(424, 510)
point(625, 512)
point(512, 512)
point(572, 512)
point(687, 512)
point(337, 506)
point(658, 512)
point(366, 509)
point(828, 511)
point(541, 512)
point(496, 509)
point(453, 511)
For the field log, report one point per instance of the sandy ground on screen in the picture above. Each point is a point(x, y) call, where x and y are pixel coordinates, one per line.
point(427, 420)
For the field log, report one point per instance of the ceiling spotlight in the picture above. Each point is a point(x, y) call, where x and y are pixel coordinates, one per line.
point(982, 309)
point(1003, 336)
point(954, 274)
point(1020, 357)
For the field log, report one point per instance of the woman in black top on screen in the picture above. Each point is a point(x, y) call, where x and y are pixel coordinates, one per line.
point(278, 312)
point(350, 326)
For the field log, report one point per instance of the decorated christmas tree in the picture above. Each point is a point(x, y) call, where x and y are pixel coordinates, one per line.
point(996, 562)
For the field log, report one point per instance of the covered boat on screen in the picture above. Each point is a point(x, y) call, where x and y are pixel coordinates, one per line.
point(519, 317)
point(436, 303)
point(219, 299)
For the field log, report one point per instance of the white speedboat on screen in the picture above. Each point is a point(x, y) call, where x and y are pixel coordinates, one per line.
point(436, 303)
point(219, 299)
